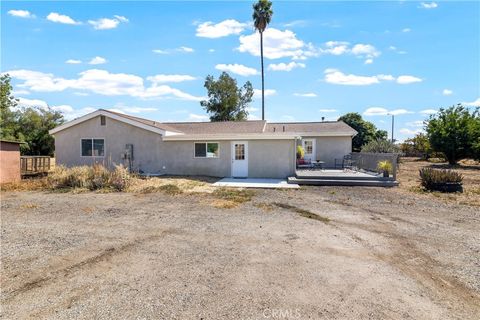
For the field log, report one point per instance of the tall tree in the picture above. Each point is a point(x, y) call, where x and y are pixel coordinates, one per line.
point(8, 114)
point(455, 132)
point(366, 130)
point(226, 101)
point(262, 15)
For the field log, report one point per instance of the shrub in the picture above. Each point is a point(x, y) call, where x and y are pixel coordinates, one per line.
point(90, 177)
point(380, 146)
point(438, 179)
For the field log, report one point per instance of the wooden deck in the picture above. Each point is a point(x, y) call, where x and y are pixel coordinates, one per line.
point(330, 177)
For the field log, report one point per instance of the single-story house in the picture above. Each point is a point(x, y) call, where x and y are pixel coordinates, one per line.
point(255, 148)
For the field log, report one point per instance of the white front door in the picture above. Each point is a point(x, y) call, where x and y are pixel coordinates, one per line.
point(309, 148)
point(240, 159)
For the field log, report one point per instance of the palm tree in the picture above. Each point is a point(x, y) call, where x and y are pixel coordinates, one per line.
point(262, 15)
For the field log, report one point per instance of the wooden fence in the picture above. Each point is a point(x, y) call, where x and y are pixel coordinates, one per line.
point(32, 165)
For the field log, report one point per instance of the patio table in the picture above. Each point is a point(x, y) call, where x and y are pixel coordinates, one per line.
point(319, 164)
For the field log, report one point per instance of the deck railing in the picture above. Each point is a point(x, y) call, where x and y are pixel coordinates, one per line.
point(31, 165)
point(369, 161)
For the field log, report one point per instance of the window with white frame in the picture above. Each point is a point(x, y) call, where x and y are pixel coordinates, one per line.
point(207, 150)
point(309, 146)
point(93, 147)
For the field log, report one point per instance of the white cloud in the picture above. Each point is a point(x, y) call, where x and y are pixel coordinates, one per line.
point(368, 61)
point(406, 30)
point(328, 110)
point(32, 103)
point(222, 29)
point(197, 117)
point(132, 109)
point(169, 78)
point(378, 111)
point(97, 60)
point(295, 23)
point(21, 14)
point(475, 103)
point(170, 51)
point(447, 92)
point(61, 18)
point(64, 108)
point(73, 61)
point(426, 5)
point(410, 132)
point(107, 23)
point(336, 48)
point(428, 111)
point(257, 93)
point(276, 44)
point(306, 95)
point(186, 49)
point(415, 124)
point(211, 50)
point(20, 92)
point(408, 79)
point(100, 82)
point(285, 67)
point(236, 68)
point(335, 76)
point(365, 50)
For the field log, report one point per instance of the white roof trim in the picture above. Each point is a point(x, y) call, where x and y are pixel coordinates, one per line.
point(239, 136)
point(109, 115)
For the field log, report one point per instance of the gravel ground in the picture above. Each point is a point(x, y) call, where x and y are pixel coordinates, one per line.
point(382, 255)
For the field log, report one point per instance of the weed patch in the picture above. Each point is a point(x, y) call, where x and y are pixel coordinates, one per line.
point(230, 198)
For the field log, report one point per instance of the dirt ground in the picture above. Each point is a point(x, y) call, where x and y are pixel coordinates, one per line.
point(372, 254)
point(409, 180)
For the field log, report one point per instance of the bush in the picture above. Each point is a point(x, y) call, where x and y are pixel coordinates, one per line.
point(380, 146)
point(90, 177)
point(440, 179)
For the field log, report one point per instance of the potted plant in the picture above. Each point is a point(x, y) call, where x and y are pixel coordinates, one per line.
point(385, 167)
point(300, 152)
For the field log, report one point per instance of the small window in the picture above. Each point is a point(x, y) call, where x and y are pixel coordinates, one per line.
point(93, 147)
point(239, 151)
point(206, 150)
point(308, 146)
point(103, 120)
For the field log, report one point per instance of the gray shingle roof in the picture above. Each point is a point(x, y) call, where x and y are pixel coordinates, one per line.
point(245, 127)
point(313, 127)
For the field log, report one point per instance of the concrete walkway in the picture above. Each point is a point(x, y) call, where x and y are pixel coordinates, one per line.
point(255, 183)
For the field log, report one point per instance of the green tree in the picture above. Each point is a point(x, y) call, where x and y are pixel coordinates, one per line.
point(8, 117)
point(35, 124)
point(366, 130)
point(417, 146)
point(455, 132)
point(262, 15)
point(227, 102)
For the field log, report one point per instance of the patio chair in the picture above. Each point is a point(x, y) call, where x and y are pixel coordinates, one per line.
point(304, 164)
point(346, 163)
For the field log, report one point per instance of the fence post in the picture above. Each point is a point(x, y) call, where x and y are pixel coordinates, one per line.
point(395, 163)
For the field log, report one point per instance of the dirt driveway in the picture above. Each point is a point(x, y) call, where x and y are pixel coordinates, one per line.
point(382, 255)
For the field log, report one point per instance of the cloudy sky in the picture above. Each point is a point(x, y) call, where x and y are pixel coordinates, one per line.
point(322, 59)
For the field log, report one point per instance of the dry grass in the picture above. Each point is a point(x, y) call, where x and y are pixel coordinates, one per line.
point(171, 185)
point(228, 198)
point(302, 212)
point(268, 207)
point(408, 176)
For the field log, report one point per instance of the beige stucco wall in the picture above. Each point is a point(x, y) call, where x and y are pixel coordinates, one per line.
point(9, 162)
point(267, 158)
point(330, 148)
point(271, 158)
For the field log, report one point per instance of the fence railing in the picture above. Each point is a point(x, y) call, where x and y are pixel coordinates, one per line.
point(31, 165)
point(369, 161)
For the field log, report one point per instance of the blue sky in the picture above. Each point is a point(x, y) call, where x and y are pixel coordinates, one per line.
point(323, 59)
